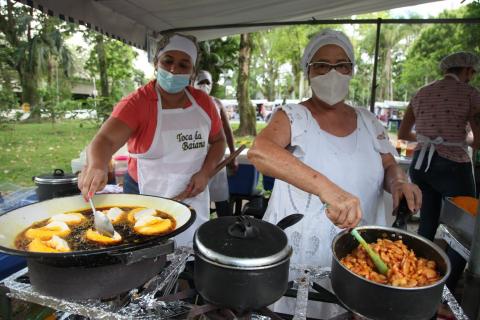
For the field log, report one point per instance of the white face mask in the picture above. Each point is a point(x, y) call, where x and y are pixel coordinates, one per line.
point(207, 88)
point(331, 87)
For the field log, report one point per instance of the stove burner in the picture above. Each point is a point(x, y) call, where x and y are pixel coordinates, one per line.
point(154, 300)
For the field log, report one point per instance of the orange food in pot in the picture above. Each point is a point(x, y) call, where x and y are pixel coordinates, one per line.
point(405, 269)
point(468, 204)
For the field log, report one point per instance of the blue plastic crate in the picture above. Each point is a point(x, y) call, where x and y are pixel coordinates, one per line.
point(244, 181)
point(10, 264)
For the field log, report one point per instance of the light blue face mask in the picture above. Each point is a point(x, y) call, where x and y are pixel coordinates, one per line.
point(172, 83)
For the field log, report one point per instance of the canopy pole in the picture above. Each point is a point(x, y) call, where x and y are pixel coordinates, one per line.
point(375, 67)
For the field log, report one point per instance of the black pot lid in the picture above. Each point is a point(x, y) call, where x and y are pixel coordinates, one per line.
point(57, 177)
point(241, 242)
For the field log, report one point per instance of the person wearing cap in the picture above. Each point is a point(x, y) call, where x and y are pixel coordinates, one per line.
point(218, 185)
point(173, 131)
point(331, 161)
point(443, 113)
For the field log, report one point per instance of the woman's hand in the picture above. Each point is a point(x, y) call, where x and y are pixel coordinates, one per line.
point(197, 184)
point(411, 192)
point(91, 180)
point(343, 209)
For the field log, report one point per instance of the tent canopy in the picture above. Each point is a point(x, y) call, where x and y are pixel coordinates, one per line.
point(137, 21)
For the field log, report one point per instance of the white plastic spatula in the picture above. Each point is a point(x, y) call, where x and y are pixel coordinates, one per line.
point(101, 222)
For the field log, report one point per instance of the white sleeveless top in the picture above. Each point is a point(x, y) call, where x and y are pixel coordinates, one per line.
point(357, 169)
point(353, 163)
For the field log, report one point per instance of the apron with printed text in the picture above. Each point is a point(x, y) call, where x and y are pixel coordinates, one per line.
point(178, 150)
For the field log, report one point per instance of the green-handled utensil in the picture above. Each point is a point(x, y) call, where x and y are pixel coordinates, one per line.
point(381, 266)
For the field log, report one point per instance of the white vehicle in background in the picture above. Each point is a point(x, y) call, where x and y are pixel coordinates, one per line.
point(81, 114)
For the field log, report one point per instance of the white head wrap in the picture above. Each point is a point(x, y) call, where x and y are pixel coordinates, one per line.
point(460, 59)
point(203, 75)
point(324, 37)
point(180, 43)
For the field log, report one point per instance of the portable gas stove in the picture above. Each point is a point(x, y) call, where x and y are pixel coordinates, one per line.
point(158, 299)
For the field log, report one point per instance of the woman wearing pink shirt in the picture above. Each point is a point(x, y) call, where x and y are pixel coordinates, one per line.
point(441, 112)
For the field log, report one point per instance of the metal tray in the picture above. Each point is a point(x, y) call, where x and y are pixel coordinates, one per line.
point(458, 219)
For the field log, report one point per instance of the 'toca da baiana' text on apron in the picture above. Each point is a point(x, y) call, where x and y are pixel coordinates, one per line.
point(189, 141)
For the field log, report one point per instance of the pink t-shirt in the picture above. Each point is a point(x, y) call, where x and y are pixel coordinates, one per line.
point(139, 111)
point(444, 108)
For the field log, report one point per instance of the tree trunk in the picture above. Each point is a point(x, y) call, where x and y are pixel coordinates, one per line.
point(388, 75)
point(102, 65)
point(246, 110)
point(30, 94)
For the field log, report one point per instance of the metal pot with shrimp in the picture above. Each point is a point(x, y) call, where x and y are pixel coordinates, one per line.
point(411, 289)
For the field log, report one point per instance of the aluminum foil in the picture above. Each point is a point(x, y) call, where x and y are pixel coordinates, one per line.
point(133, 305)
point(302, 296)
point(452, 303)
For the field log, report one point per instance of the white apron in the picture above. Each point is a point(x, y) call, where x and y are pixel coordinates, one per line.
point(218, 184)
point(178, 150)
point(353, 163)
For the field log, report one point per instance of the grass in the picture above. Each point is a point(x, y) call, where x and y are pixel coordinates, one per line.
point(28, 150)
point(32, 149)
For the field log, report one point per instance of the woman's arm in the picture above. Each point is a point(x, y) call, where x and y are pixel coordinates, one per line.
point(112, 135)
point(405, 131)
point(396, 182)
point(270, 157)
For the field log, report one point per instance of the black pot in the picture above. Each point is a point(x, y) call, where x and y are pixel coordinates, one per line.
point(58, 184)
point(377, 301)
point(99, 273)
point(242, 263)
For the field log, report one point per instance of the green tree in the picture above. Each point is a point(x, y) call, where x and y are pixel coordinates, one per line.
point(421, 64)
point(219, 56)
point(394, 41)
point(32, 40)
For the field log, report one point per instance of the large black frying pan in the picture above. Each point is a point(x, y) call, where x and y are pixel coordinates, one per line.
point(99, 273)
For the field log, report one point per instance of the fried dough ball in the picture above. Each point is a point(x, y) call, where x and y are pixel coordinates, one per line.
point(137, 213)
point(151, 225)
point(95, 236)
point(71, 219)
point(115, 215)
point(55, 244)
point(54, 228)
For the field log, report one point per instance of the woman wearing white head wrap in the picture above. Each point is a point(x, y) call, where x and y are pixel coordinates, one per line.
point(441, 113)
point(174, 134)
point(332, 161)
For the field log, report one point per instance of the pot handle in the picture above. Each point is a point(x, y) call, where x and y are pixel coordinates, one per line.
point(130, 257)
point(289, 220)
point(242, 228)
point(58, 173)
point(402, 212)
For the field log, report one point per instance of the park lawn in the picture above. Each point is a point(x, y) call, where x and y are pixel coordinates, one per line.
point(31, 149)
point(28, 150)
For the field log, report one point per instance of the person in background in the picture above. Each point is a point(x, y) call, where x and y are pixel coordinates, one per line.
point(174, 135)
point(331, 161)
point(218, 185)
point(441, 112)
